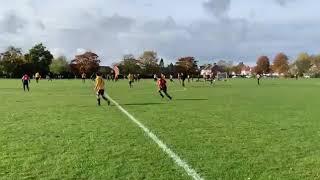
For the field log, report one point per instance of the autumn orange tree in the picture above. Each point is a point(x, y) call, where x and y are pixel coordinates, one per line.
point(87, 62)
point(187, 65)
point(281, 64)
point(263, 65)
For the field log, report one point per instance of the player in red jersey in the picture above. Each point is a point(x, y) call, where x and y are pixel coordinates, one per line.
point(162, 84)
point(25, 82)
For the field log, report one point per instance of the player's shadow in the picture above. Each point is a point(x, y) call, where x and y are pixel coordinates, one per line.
point(141, 104)
point(192, 99)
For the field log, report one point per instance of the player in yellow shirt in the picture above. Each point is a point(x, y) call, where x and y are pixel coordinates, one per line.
point(131, 80)
point(99, 88)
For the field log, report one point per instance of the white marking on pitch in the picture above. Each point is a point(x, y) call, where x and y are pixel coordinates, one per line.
point(179, 90)
point(184, 89)
point(188, 169)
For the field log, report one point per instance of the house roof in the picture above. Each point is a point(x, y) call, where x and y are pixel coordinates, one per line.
point(246, 68)
point(208, 67)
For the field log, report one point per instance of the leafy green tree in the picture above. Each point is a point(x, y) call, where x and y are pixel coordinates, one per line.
point(12, 62)
point(161, 65)
point(105, 70)
point(129, 64)
point(171, 69)
point(59, 65)
point(40, 58)
point(315, 68)
point(148, 61)
point(293, 70)
point(237, 69)
point(303, 63)
point(225, 66)
point(1, 69)
point(315, 60)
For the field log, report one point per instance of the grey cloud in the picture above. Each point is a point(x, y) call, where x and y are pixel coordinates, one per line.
point(218, 8)
point(111, 36)
point(116, 23)
point(99, 34)
point(12, 23)
point(148, 4)
point(41, 25)
point(158, 25)
point(203, 39)
point(283, 2)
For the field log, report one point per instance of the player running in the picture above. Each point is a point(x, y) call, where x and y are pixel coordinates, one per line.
point(49, 77)
point(131, 80)
point(162, 84)
point(83, 77)
point(92, 77)
point(211, 77)
point(37, 77)
point(99, 88)
point(155, 77)
point(25, 82)
point(258, 78)
point(183, 79)
point(171, 78)
point(138, 77)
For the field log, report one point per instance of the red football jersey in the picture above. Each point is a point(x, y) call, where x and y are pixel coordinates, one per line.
point(162, 83)
point(25, 78)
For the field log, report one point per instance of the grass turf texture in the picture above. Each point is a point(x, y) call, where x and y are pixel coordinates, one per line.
point(232, 130)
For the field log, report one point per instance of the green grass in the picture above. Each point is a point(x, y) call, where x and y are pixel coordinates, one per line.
point(233, 130)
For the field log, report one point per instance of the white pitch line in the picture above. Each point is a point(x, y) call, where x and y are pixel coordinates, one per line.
point(179, 90)
point(188, 169)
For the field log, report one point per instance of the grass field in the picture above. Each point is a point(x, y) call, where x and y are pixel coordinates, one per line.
point(233, 130)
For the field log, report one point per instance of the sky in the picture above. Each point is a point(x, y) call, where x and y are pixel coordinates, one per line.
point(209, 30)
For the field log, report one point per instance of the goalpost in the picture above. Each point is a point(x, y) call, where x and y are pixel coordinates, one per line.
point(222, 76)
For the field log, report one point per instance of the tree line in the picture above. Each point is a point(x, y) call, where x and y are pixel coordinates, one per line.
point(149, 64)
point(14, 63)
point(304, 64)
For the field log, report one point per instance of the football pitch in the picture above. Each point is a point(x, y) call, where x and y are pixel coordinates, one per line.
point(231, 130)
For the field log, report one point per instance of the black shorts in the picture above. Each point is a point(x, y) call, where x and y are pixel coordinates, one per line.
point(37, 78)
point(100, 92)
point(25, 82)
point(164, 89)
